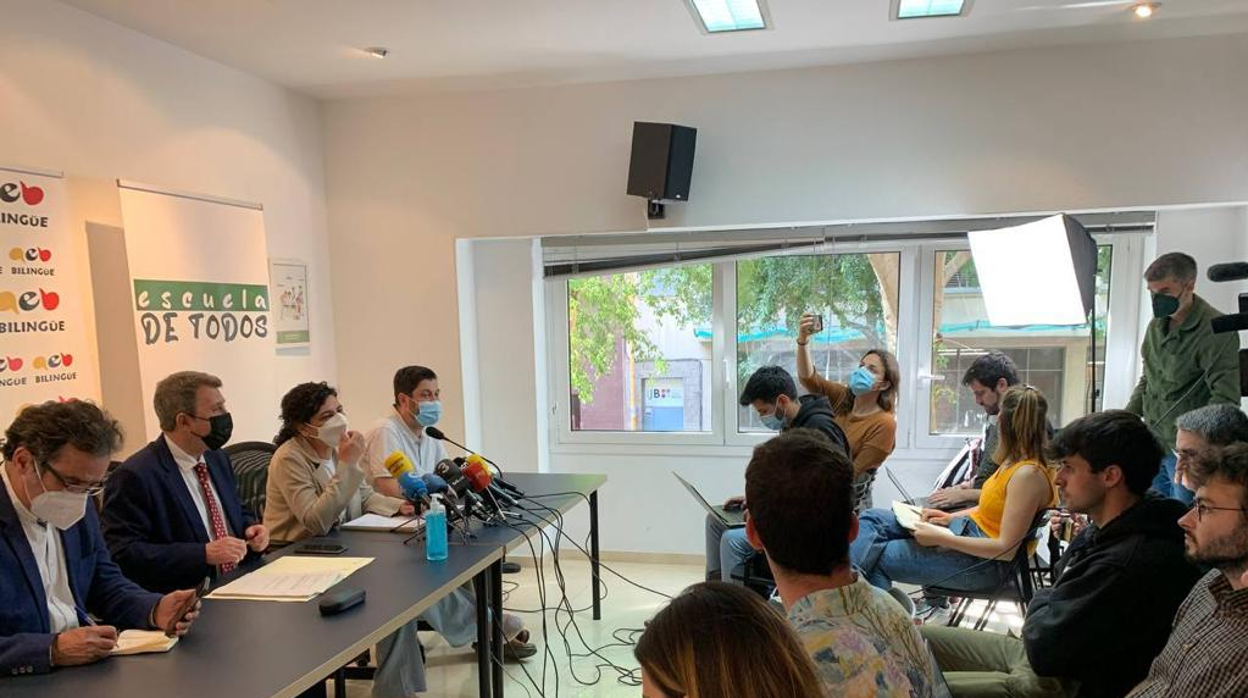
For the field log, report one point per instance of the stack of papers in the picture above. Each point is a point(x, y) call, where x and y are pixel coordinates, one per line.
point(907, 514)
point(143, 642)
point(377, 522)
point(292, 578)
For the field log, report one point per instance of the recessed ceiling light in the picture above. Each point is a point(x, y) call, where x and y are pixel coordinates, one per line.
point(718, 16)
point(1145, 10)
point(922, 9)
point(377, 51)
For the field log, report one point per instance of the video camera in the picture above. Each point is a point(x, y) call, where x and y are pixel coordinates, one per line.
point(1233, 271)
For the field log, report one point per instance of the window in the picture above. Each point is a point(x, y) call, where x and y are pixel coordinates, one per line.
point(1055, 359)
point(857, 295)
point(639, 351)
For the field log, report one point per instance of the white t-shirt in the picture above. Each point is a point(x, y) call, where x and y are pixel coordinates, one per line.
point(392, 434)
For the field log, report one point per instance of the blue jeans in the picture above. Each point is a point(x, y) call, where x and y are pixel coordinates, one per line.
point(1165, 485)
point(726, 549)
point(885, 552)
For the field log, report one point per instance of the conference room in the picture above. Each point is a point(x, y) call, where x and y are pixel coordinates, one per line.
point(397, 348)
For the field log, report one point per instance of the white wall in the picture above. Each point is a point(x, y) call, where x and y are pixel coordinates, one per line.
point(1119, 125)
point(101, 102)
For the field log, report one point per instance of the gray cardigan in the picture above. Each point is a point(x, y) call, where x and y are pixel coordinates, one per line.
point(301, 502)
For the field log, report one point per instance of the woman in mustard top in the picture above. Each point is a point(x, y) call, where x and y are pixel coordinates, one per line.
point(970, 549)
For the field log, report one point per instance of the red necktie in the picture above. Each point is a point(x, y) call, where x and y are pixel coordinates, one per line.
point(214, 511)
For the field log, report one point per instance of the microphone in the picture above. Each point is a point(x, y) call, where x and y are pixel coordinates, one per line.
point(414, 489)
point(454, 477)
point(435, 484)
point(483, 480)
point(1229, 271)
point(398, 463)
point(437, 434)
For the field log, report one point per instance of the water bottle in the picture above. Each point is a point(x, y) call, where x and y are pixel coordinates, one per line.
point(435, 530)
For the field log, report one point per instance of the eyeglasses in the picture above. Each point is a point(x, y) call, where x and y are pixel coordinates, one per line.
point(73, 487)
point(1202, 509)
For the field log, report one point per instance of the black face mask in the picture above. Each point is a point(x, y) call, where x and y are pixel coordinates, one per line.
point(220, 427)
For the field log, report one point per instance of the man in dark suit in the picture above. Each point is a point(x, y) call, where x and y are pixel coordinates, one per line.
point(171, 515)
point(54, 567)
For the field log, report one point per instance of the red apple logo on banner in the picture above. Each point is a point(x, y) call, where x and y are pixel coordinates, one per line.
point(45, 255)
point(51, 300)
point(67, 360)
point(15, 363)
point(31, 195)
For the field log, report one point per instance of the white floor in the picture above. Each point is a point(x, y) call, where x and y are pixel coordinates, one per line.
point(453, 672)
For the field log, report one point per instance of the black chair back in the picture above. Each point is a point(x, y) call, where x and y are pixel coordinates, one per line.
point(250, 460)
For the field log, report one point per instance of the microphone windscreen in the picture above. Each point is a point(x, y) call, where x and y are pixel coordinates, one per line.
point(414, 488)
point(435, 483)
point(1230, 271)
point(398, 463)
point(435, 433)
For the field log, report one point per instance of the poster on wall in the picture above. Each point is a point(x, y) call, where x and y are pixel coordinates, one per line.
point(200, 288)
point(43, 333)
point(289, 282)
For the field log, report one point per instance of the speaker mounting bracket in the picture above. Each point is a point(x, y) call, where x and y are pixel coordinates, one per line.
point(655, 210)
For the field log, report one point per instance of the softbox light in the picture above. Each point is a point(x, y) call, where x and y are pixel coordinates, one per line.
point(1039, 273)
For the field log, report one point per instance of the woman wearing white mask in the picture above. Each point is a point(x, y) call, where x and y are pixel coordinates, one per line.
point(315, 481)
point(316, 478)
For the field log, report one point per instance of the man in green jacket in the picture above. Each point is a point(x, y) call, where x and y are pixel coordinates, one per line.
point(1186, 365)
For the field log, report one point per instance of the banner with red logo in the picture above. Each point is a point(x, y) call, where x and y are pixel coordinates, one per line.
point(43, 335)
point(200, 277)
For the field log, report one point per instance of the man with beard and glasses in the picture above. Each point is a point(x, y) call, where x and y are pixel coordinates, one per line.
point(1207, 654)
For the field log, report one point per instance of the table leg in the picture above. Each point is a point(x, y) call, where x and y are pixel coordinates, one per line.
point(480, 585)
point(594, 567)
point(496, 608)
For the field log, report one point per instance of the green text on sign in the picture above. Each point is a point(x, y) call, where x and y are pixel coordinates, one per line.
point(150, 294)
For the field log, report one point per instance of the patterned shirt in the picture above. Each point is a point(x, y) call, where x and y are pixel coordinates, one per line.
point(1207, 655)
point(863, 643)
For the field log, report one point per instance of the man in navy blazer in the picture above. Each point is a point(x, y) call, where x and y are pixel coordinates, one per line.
point(171, 514)
point(54, 567)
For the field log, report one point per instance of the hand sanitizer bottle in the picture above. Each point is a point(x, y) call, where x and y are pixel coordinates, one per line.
point(435, 530)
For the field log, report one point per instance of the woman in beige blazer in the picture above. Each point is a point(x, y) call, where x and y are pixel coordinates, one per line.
point(316, 478)
point(315, 481)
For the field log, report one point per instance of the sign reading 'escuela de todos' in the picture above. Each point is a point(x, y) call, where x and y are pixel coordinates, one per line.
point(200, 281)
point(44, 346)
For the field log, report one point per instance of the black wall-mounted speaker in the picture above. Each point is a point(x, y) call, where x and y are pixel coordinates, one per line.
point(662, 163)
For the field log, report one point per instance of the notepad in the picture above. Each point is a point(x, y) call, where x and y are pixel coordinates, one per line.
point(376, 522)
point(292, 578)
point(143, 642)
point(907, 514)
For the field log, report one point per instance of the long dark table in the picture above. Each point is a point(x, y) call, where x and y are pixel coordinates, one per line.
point(260, 649)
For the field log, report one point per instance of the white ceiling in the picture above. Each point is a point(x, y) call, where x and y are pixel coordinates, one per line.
point(314, 45)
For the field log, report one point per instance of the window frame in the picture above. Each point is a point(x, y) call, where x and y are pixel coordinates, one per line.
point(914, 352)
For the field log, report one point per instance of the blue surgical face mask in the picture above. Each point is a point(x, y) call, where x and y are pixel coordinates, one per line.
point(430, 413)
point(862, 380)
point(773, 421)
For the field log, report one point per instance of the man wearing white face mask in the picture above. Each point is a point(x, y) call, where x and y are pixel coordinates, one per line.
point(417, 405)
point(54, 566)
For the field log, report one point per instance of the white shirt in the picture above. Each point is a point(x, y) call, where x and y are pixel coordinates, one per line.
point(45, 543)
point(186, 466)
point(392, 434)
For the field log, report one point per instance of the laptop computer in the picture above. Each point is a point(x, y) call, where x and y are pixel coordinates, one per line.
point(731, 519)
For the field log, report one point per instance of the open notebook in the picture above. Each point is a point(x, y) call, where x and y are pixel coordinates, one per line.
point(909, 516)
point(143, 642)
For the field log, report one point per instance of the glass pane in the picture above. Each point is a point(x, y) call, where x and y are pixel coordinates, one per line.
point(639, 349)
point(855, 293)
point(1055, 359)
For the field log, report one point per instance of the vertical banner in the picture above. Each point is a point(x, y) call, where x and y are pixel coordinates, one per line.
point(200, 280)
point(42, 323)
point(290, 294)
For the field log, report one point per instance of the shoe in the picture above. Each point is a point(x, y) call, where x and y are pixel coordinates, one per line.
point(518, 648)
point(511, 568)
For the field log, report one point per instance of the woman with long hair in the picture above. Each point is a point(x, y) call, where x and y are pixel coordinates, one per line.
point(717, 639)
point(971, 549)
point(865, 407)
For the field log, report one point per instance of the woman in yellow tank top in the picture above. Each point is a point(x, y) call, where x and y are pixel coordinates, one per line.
point(970, 549)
